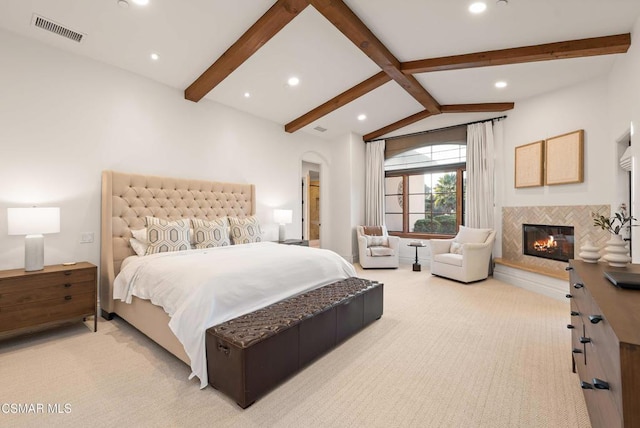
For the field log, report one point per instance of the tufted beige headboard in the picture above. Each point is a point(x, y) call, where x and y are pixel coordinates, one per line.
point(128, 198)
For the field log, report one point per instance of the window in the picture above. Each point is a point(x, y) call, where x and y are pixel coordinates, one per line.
point(424, 191)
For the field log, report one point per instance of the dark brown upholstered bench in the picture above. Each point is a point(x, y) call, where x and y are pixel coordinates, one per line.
point(249, 355)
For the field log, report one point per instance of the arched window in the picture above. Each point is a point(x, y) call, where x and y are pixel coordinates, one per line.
point(424, 190)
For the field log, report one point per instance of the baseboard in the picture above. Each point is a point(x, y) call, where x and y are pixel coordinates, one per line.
point(541, 284)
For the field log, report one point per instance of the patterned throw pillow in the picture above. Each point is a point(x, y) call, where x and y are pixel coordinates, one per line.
point(245, 230)
point(377, 241)
point(211, 233)
point(165, 235)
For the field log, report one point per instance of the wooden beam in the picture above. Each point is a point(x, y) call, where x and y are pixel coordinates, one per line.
point(343, 18)
point(560, 50)
point(476, 108)
point(397, 125)
point(338, 101)
point(274, 20)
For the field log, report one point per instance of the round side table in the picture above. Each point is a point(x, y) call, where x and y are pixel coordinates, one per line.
point(416, 265)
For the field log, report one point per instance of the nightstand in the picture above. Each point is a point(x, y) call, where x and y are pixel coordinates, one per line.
point(301, 242)
point(57, 294)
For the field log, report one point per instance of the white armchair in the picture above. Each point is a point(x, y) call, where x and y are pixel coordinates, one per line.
point(466, 257)
point(381, 251)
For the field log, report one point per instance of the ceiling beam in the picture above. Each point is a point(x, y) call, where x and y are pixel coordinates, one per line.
point(343, 18)
point(338, 101)
point(274, 20)
point(451, 108)
point(560, 50)
point(397, 125)
point(476, 108)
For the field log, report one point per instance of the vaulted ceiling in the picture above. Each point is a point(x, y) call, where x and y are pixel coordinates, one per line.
point(408, 65)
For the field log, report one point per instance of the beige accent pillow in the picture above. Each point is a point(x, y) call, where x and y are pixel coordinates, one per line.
point(456, 248)
point(245, 230)
point(377, 241)
point(141, 235)
point(468, 235)
point(211, 233)
point(164, 236)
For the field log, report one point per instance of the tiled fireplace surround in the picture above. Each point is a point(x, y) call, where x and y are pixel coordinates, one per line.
point(578, 216)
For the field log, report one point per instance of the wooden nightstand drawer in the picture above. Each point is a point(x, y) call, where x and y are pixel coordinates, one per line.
point(34, 300)
point(61, 308)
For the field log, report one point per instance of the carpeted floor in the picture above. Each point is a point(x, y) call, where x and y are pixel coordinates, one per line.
point(443, 355)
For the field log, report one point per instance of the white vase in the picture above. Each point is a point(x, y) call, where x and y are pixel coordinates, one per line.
point(617, 253)
point(589, 252)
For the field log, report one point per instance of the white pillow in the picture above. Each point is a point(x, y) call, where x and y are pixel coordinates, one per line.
point(138, 246)
point(456, 248)
point(245, 230)
point(377, 241)
point(468, 235)
point(164, 235)
point(211, 233)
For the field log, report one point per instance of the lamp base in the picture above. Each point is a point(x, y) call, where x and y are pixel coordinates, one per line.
point(281, 234)
point(33, 253)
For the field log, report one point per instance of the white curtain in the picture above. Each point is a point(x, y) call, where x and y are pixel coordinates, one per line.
point(480, 175)
point(374, 184)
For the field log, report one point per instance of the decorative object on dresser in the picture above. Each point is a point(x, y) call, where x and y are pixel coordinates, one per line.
point(282, 217)
point(605, 343)
point(616, 251)
point(589, 252)
point(251, 354)
point(33, 222)
point(55, 295)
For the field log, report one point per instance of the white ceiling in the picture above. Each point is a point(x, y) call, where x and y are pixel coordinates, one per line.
point(189, 35)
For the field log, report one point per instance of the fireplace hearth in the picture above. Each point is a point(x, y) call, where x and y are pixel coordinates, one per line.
point(548, 242)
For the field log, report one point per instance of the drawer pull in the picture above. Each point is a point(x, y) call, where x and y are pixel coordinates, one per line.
point(600, 384)
point(578, 285)
point(568, 296)
point(569, 268)
point(67, 285)
point(585, 340)
point(570, 326)
point(67, 272)
point(223, 349)
point(575, 313)
point(67, 297)
point(585, 385)
point(595, 319)
point(576, 351)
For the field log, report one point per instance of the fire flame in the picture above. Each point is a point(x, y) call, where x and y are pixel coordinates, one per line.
point(545, 245)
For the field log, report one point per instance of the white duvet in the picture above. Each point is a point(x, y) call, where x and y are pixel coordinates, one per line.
point(202, 288)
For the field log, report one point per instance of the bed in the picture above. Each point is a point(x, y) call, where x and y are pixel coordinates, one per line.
point(127, 199)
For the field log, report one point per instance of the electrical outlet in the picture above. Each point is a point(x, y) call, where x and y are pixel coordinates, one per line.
point(86, 238)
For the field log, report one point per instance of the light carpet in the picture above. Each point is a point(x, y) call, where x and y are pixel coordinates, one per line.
point(443, 354)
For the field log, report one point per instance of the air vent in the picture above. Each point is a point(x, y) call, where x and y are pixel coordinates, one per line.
point(320, 129)
point(47, 24)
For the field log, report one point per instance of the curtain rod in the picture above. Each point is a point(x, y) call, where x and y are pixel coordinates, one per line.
point(439, 129)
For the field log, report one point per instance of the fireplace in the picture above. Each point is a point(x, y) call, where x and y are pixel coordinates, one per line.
point(548, 242)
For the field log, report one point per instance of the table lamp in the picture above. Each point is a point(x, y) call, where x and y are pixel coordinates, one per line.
point(33, 222)
point(282, 217)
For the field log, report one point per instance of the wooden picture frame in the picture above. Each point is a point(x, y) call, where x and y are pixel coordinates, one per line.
point(564, 158)
point(529, 165)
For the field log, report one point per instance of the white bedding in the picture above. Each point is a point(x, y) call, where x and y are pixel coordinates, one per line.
point(203, 288)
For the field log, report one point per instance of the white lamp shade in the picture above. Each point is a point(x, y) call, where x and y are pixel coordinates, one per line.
point(283, 216)
point(33, 221)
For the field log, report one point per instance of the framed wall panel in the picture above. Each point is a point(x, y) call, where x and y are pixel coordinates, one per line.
point(529, 165)
point(564, 158)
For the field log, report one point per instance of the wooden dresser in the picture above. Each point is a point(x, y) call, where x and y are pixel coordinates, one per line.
point(57, 294)
point(605, 342)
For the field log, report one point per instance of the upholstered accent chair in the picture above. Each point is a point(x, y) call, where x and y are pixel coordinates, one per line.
point(376, 248)
point(465, 258)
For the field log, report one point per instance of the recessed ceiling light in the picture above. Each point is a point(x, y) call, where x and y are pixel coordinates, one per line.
point(477, 7)
point(502, 2)
point(123, 3)
point(362, 116)
point(501, 84)
point(141, 2)
point(293, 81)
point(154, 56)
point(247, 95)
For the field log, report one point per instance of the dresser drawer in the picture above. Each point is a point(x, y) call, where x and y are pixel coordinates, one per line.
point(61, 308)
point(31, 295)
point(42, 280)
point(602, 404)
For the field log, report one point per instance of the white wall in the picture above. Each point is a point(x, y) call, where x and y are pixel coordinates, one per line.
point(64, 119)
